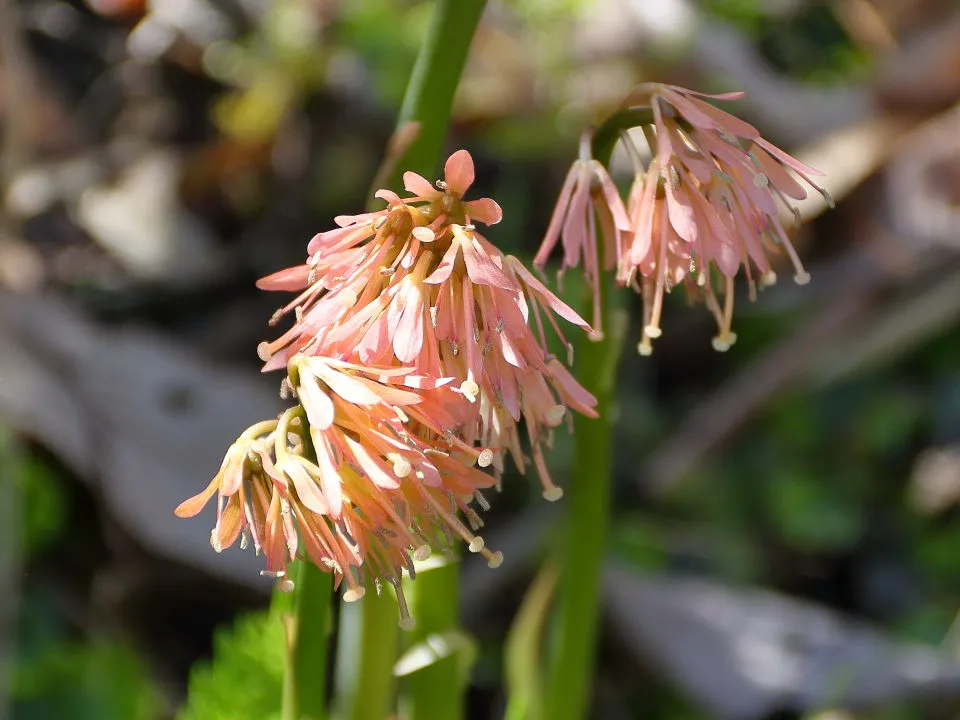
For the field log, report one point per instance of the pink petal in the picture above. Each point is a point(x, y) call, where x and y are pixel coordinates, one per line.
point(316, 402)
point(559, 213)
point(573, 393)
point(349, 388)
point(681, 214)
point(787, 159)
point(481, 269)
point(484, 210)
point(374, 469)
point(190, 507)
point(289, 279)
point(329, 474)
point(418, 185)
point(446, 265)
point(705, 116)
point(388, 195)
point(305, 484)
point(778, 175)
point(544, 294)
point(408, 335)
point(458, 172)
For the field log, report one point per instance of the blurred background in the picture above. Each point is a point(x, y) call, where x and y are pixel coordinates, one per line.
point(785, 541)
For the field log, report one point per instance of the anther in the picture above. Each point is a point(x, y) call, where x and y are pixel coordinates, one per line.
point(801, 278)
point(554, 416)
point(424, 234)
point(353, 594)
point(485, 458)
point(481, 500)
point(724, 341)
point(494, 559)
point(652, 332)
point(644, 347)
point(470, 390)
point(215, 541)
point(553, 494)
point(476, 545)
point(760, 181)
point(422, 553)
point(285, 585)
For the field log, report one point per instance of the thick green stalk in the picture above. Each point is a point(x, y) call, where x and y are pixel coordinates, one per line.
point(583, 538)
point(436, 691)
point(428, 100)
point(308, 627)
point(367, 652)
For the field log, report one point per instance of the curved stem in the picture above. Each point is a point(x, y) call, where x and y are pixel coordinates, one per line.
point(428, 100)
point(436, 691)
point(308, 627)
point(368, 649)
point(580, 550)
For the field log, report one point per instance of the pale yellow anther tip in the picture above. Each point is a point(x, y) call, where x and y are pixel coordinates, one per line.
point(652, 332)
point(495, 560)
point(555, 415)
point(722, 343)
point(285, 585)
point(422, 553)
point(801, 278)
point(353, 594)
point(552, 494)
point(645, 348)
point(476, 545)
point(485, 458)
point(407, 623)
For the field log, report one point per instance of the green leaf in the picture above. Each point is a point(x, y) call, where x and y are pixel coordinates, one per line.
point(244, 681)
point(98, 681)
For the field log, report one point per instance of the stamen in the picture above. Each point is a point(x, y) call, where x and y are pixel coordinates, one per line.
point(485, 458)
point(494, 559)
point(406, 622)
point(554, 416)
point(470, 390)
point(481, 500)
point(422, 553)
point(285, 585)
point(423, 234)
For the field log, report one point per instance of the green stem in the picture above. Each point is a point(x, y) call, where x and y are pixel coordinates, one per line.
point(435, 692)
point(428, 100)
point(522, 652)
point(368, 650)
point(587, 505)
point(304, 682)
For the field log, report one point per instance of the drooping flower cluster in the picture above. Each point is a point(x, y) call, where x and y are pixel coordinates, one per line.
point(707, 204)
point(413, 361)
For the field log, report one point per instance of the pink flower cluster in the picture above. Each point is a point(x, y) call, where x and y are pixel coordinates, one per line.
point(417, 348)
point(706, 205)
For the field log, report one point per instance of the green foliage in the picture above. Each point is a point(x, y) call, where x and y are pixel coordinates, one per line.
point(42, 501)
point(85, 681)
point(244, 681)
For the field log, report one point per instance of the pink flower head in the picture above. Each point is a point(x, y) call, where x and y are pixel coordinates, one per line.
point(380, 486)
point(587, 199)
point(708, 200)
point(417, 285)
